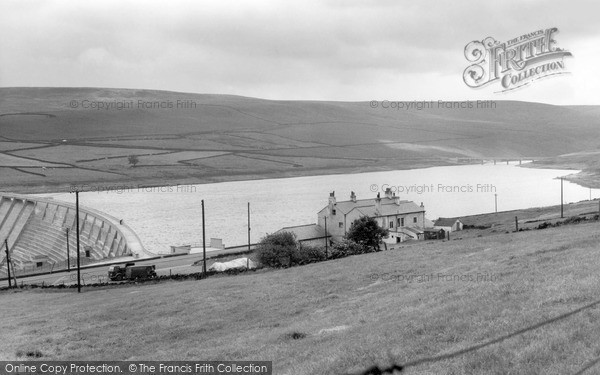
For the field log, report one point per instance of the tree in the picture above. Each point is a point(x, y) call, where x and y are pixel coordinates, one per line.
point(278, 250)
point(133, 160)
point(366, 232)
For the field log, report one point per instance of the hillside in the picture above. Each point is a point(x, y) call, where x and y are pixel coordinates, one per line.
point(485, 302)
point(51, 137)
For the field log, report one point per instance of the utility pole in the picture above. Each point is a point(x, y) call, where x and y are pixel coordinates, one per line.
point(7, 262)
point(68, 253)
point(203, 242)
point(248, 257)
point(561, 197)
point(496, 202)
point(326, 238)
point(78, 262)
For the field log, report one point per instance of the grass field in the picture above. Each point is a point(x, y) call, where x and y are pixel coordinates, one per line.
point(483, 303)
point(56, 124)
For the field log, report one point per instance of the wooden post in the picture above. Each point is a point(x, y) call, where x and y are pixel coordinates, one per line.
point(68, 253)
point(78, 262)
point(496, 202)
point(248, 256)
point(7, 262)
point(561, 198)
point(326, 238)
point(516, 224)
point(203, 242)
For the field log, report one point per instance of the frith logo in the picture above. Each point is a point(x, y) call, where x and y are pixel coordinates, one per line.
point(516, 62)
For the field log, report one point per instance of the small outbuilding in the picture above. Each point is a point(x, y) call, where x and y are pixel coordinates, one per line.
point(309, 234)
point(434, 234)
point(448, 224)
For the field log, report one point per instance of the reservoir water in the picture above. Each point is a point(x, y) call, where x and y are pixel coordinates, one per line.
point(171, 215)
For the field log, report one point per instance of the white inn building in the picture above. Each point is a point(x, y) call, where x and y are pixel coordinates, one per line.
point(404, 219)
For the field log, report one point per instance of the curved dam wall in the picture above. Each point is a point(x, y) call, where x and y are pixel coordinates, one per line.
point(36, 230)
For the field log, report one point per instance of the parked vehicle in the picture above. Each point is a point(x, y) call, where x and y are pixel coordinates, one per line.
point(130, 271)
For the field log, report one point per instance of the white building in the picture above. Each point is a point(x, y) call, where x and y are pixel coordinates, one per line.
point(404, 219)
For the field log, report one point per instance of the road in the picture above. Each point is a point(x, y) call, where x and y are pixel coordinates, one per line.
point(164, 266)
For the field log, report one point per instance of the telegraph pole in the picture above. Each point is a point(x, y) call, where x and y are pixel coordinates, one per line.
point(78, 261)
point(68, 253)
point(7, 262)
point(496, 202)
point(203, 242)
point(326, 239)
point(248, 257)
point(561, 197)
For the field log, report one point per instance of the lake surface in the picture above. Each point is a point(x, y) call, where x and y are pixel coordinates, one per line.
point(172, 215)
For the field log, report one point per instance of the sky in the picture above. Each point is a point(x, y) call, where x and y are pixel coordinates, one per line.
point(341, 50)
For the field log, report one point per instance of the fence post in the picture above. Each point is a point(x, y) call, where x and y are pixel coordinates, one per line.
point(516, 224)
point(8, 263)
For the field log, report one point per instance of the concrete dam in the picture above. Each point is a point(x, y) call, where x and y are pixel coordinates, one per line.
point(41, 235)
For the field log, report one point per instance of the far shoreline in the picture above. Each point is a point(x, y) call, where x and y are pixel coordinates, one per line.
point(582, 178)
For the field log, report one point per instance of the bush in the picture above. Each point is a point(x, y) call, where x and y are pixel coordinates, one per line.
point(482, 227)
point(574, 220)
point(310, 254)
point(544, 225)
point(278, 250)
point(346, 248)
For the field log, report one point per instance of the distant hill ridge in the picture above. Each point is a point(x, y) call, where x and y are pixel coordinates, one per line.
point(242, 137)
point(511, 129)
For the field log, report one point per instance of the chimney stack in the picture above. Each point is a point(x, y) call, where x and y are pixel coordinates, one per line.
point(332, 202)
point(378, 204)
point(388, 193)
point(353, 197)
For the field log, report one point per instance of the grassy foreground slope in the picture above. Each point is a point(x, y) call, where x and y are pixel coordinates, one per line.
point(524, 302)
point(221, 137)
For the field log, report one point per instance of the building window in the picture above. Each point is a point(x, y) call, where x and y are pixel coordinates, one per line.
point(414, 220)
point(401, 222)
point(341, 224)
point(333, 212)
point(391, 223)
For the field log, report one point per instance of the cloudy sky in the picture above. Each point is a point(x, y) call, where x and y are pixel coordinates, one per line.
point(322, 50)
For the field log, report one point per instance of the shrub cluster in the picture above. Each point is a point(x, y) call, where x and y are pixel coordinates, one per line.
point(285, 254)
point(568, 221)
point(346, 248)
point(278, 250)
point(482, 227)
point(283, 250)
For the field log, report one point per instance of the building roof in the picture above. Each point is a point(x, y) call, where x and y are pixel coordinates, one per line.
point(445, 222)
point(305, 232)
point(39, 257)
point(411, 229)
point(368, 207)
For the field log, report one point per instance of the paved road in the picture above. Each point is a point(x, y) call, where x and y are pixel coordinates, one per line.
point(164, 266)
